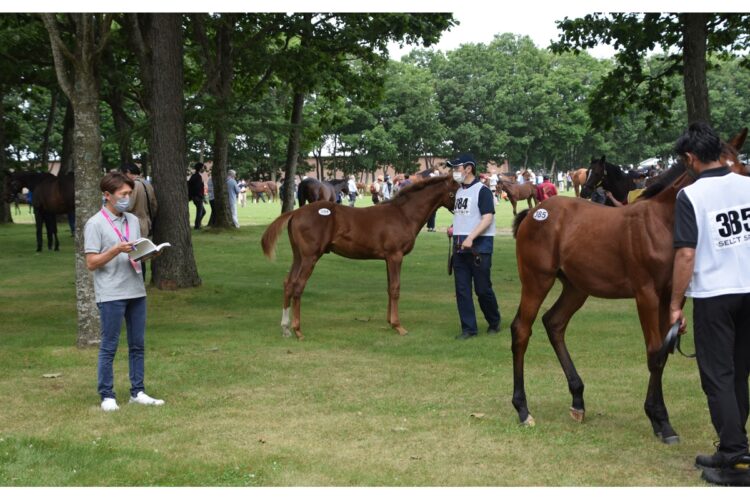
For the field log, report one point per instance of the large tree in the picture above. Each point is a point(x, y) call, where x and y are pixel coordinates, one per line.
point(78, 41)
point(158, 42)
point(686, 40)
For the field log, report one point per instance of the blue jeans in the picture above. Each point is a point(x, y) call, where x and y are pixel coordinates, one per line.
point(111, 314)
point(468, 268)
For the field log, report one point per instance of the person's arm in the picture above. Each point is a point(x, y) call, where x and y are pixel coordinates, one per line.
point(686, 240)
point(96, 260)
point(614, 200)
point(682, 273)
point(484, 223)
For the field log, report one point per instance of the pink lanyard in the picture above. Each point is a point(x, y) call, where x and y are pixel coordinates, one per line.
point(119, 234)
point(136, 265)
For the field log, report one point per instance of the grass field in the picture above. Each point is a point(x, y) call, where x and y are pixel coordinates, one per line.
point(352, 405)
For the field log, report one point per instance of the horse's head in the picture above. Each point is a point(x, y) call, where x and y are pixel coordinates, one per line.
point(449, 195)
point(595, 176)
point(13, 186)
point(730, 153)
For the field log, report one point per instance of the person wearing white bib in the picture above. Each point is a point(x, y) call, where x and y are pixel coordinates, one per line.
point(119, 289)
point(712, 242)
point(473, 239)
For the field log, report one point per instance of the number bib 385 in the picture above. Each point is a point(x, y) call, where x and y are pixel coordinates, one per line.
point(730, 227)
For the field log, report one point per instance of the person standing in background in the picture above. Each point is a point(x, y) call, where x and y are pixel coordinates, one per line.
point(233, 191)
point(196, 193)
point(143, 202)
point(473, 242)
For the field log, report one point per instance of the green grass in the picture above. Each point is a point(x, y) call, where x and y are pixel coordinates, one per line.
point(352, 405)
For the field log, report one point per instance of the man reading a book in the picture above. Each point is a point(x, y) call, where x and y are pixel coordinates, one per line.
point(119, 288)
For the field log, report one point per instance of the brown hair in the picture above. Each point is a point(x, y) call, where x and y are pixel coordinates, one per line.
point(114, 181)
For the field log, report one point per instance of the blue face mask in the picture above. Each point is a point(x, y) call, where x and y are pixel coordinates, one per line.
point(121, 205)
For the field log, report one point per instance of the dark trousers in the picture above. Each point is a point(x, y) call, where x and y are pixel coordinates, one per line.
point(212, 217)
point(468, 268)
point(722, 345)
point(431, 221)
point(199, 210)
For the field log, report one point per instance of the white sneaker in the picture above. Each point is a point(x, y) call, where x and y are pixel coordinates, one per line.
point(144, 399)
point(109, 404)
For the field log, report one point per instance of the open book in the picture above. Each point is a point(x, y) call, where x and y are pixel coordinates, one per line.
point(144, 249)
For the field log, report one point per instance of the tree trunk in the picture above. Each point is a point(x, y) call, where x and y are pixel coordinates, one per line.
point(694, 35)
point(48, 130)
point(176, 267)
point(87, 152)
point(76, 69)
point(123, 125)
point(219, 175)
point(5, 212)
point(220, 88)
point(67, 163)
point(292, 152)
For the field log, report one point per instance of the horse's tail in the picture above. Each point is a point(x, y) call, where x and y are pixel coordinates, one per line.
point(518, 219)
point(268, 241)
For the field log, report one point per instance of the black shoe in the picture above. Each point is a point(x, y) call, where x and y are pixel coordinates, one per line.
point(733, 476)
point(493, 330)
point(465, 336)
point(720, 461)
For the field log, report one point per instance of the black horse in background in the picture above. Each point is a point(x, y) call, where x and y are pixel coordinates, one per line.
point(311, 190)
point(51, 196)
point(609, 177)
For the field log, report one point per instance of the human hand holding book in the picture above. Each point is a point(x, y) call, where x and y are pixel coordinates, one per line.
point(144, 249)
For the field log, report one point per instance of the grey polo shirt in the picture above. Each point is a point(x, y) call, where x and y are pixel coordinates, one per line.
point(116, 280)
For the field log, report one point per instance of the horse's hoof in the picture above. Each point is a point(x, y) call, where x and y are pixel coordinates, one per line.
point(401, 330)
point(669, 439)
point(529, 422)
point(577, 415)
point(286, 332)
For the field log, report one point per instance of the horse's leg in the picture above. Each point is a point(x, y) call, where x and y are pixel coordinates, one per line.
point(653, 312)
point(394, 291)
point(53, 227)
point(39, 219)
point(305, 269)
point(513, 203)
point(72, 223)
point(286, 320)
point(533, 291)
point(556, 322)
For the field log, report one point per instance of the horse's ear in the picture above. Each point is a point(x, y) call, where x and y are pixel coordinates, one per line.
point(738, 140)
point(604, 159)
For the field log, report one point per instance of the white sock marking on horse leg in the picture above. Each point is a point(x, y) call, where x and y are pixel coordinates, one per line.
point(286, 322)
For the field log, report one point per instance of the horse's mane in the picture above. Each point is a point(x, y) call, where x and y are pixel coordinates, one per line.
point(664, 180)
point(614, 170)
point(405, 193)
